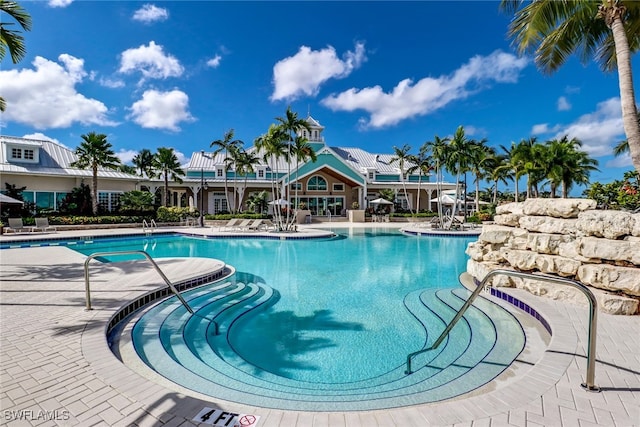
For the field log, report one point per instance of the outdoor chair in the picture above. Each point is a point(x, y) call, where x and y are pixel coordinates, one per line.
point(255, 225)
point(42, 224)
point(243, 225)
point(230, 225)
point(15, 226)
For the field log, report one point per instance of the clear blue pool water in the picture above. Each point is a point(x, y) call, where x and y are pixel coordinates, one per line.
point(320, 319)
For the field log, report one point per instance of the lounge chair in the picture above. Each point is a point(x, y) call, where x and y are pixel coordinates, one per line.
point(243, 225)
point(15, 226)
point(231, 225)
point(268, 225)
point(42, 224)
point(255, 225)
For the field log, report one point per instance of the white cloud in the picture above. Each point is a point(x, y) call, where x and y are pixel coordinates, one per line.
point(150, 13)
point(126, 156)
point(304, 72)
point(621, 161)
point(563, 104)
point(161, 110)
point(429, 94)
point(59, 3)
point(599, 130)
point(214, 62)
point(111, 83)
point(45, 96)
point(543, 128)
point(151, 62)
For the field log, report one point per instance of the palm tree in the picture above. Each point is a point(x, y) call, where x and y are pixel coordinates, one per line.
point(226, 144)
point(245, 162)
point(144, 163)
point(438, 148)
point(499, 173)
point(95, 152)
point(302, 151)
point(568, 165)
point(257, 202)
point(514, 164)
point(12, 40)
point(458, 161)
point(273, 146)
point(481, 157)
point(421, 163)
point(290, 125)
point(606, 30)
point(166, 162)
point(401, 156)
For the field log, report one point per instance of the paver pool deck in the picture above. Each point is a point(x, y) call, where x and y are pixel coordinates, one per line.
point(57, 369)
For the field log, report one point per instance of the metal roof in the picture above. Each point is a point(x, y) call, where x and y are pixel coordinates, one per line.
point(54, 159)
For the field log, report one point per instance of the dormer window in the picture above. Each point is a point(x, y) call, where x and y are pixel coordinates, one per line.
point(260, 173)
point(23, 153)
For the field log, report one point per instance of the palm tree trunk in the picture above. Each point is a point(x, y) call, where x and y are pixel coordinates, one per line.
point(627, 95)
point(94, 189)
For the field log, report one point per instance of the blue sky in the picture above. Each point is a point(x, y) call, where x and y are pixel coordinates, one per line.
point(375, 74)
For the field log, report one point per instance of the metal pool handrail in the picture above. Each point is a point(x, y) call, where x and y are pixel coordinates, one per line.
point(593, 318)
point(155, 266)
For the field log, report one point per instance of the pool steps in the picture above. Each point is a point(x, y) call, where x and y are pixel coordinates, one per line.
point(443, 373)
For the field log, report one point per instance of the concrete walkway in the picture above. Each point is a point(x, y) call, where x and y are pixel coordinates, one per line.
point(56, 368)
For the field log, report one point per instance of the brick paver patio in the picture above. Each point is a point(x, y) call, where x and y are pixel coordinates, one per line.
point(56, 368)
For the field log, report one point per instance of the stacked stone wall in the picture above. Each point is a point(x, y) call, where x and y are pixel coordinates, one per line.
point(567, 238)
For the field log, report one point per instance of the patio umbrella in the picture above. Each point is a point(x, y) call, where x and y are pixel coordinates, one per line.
point(446, 199)
point(380, 201)
point(10, 200)
point(279, 202)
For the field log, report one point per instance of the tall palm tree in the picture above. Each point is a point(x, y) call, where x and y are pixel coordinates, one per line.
point(402, 157)
point(514, 164)
point(301, 151)
point(95, 152)
point(10, 39)
point(568, 164)
point(438, 148)
point(226, 144)
point(458, 161)
point(421, 163)
point(606, 30)
point(166, 162)
point(499, 173)
point(290, 125)
point(143, 161)
point(245, 162)
point(274, 147)
point(481, 156)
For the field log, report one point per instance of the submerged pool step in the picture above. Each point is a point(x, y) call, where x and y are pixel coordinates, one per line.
point(451, 369)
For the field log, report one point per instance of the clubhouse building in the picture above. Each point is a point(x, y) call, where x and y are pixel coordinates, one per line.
point(339, 177)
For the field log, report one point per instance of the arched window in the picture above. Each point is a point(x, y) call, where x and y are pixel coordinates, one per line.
point(317, 183)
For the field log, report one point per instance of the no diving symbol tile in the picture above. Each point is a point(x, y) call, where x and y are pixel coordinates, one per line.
point(220, 418)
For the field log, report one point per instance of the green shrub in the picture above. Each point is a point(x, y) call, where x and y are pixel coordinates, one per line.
point(86, 220)
point(173, 214)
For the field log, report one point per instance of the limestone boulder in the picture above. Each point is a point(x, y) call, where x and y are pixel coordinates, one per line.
point(500, 234)
point(509, 219)
point(510, 208)
point(549, 225)
point(552, 264)
point(608, 224)
point(607, 302)
point(557, 208)
point(635, 230)
point(484, 252)
point(611, 277)
point(545, 243)
point(480, 269)
point(612, 250)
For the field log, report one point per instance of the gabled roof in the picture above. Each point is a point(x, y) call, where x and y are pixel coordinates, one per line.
point(54, 159)
point(363, 161)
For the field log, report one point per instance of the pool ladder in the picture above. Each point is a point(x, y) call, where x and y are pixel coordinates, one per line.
point(149, 227)
point(155, 266)
point(593, 318)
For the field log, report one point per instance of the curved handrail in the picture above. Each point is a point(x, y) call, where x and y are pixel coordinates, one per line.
point(139, 252)
point(593, 318)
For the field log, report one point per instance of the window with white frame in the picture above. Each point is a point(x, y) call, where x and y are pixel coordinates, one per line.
point(317, 183)
point(260, 173)
point(28, 154)
point(16, 153)
point(372, 175)
point(296, 186)
point(219, 172)
point(338, 187)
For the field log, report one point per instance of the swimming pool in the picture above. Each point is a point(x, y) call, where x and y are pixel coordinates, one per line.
point(324, 324)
